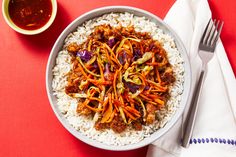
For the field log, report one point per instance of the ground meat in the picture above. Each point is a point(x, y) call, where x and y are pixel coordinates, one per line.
point(168, 78)
point(158, 58)
point(99, 36)
point(100, 126)
point(151, 108)
point(150, 113)
point(83, 110)
point(71, 89)
point(73, 48)
point(137, 125)
point(165, 96)
point(71, 77)
point(118, 125)
point(161, 69)
point(155, 46)
point(150, 118)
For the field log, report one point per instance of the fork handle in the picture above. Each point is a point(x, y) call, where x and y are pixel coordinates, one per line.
point(193, 111)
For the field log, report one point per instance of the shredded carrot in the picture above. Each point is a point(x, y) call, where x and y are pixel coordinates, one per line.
point(129, 115)
point(88, 71)
point(159, 101)
point(153, 102)
point(105, 105)
point(128, 98)
point(108, 112)
point(91, 61)
point(152, 96)
point(93, 98)
point(100, 68)
point(145, 97)
point(122, 100)
point(116, 61)
point(116, 104)
point(93, 109)
point(157, 85)
point(82, 71)
point(132, 104)
point(132, 110)
point(153, 63)
point(113, 48)
point(108, 56)
point(89, 45)
point(122, 114)
point(109, 49)
point(99, 82)
point(112, 116)
point(114, 83)
point(158, 75)
point(87, 101)
point(130, 47)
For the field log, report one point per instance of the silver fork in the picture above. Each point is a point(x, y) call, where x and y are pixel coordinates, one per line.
point(206, 48)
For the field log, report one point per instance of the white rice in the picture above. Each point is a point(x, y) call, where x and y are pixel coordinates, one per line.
point(68, 105)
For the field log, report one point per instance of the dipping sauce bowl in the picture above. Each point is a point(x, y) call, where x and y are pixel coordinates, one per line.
point(29, 16)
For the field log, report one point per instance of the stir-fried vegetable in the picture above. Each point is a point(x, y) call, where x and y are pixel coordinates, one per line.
point(84, 55)
point(111, 42)
point(116, 74)
point(146, 56)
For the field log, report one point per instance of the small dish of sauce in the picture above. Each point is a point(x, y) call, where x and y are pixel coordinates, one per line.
point(29, 16)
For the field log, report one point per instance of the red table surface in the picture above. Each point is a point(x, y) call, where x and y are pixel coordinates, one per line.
point(28, 124)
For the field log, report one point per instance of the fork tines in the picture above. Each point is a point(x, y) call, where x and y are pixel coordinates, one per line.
point(212, 33)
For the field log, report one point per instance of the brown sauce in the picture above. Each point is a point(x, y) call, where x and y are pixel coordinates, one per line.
point(30, 14)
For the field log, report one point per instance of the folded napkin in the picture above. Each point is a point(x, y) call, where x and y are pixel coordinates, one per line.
point(215, 127)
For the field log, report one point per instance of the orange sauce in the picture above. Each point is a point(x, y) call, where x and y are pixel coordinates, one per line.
point(30, 14)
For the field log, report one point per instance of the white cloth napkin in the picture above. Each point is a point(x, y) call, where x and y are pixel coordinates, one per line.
point(215, 126)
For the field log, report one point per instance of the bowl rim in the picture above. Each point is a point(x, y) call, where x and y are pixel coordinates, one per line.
point(99, 12)
point(10, 23)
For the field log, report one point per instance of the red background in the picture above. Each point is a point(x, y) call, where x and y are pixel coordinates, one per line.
point(28, 124)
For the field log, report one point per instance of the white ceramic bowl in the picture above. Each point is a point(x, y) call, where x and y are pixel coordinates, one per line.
point(7, 18)
point(72, 27)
